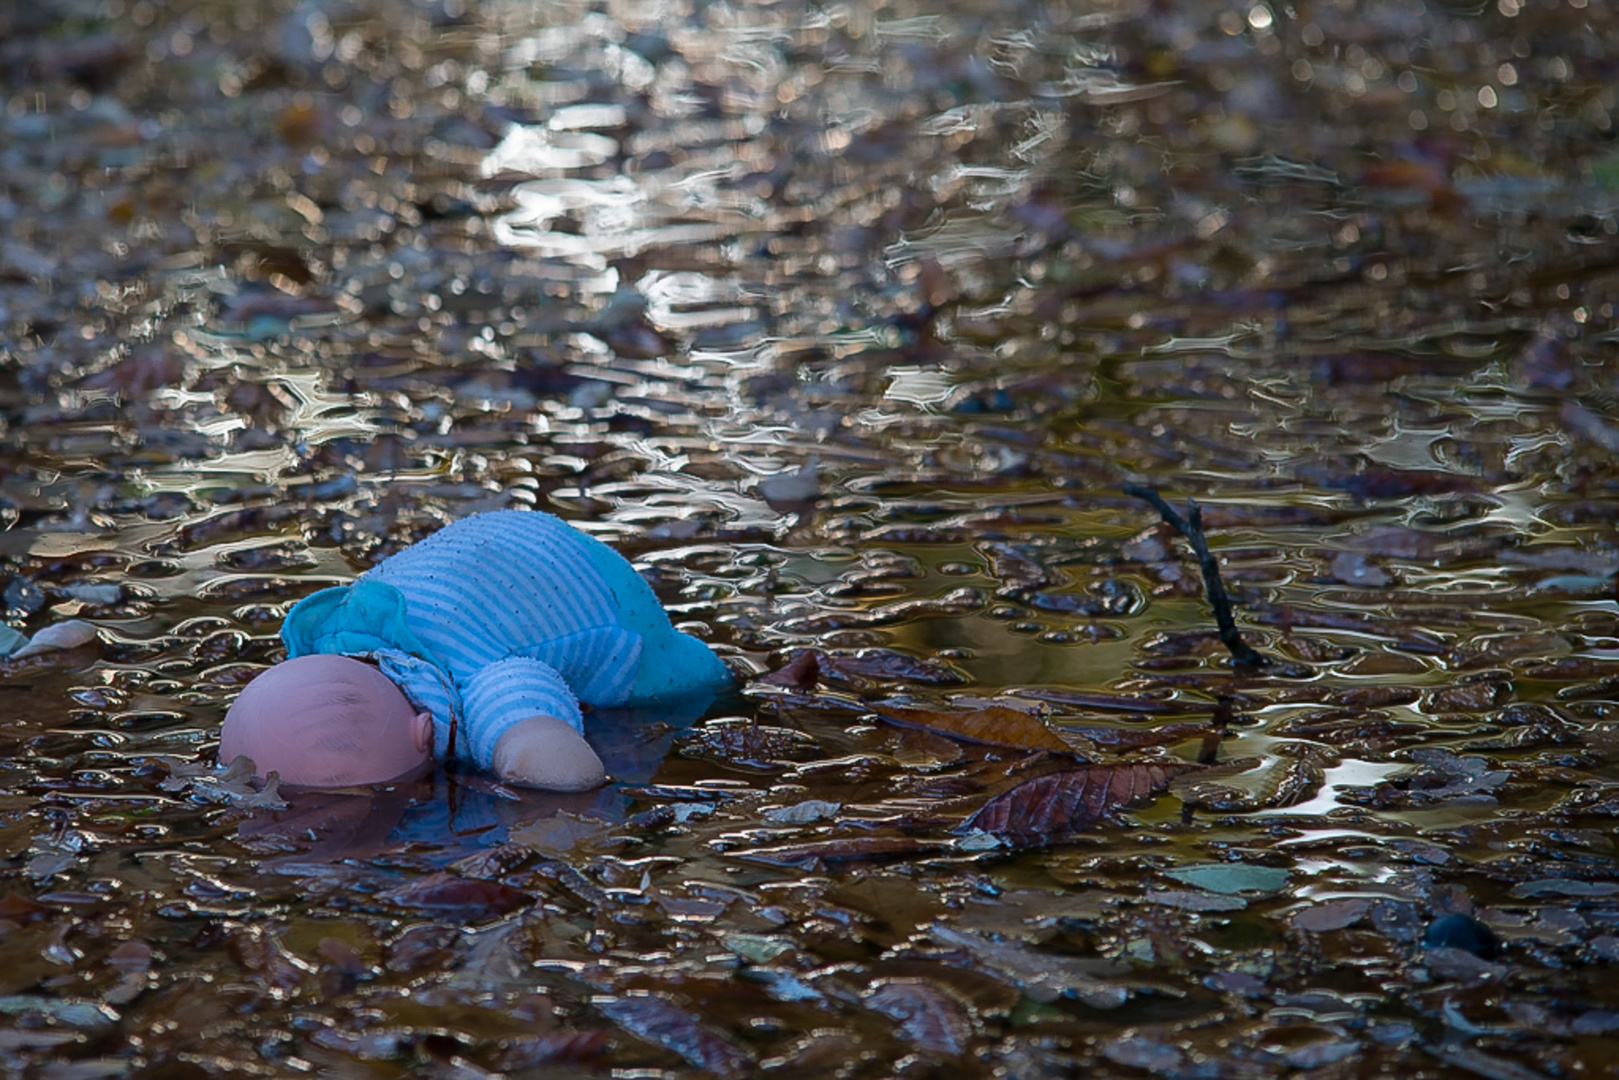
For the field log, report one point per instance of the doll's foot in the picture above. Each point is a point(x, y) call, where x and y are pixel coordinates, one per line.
point(546, 752)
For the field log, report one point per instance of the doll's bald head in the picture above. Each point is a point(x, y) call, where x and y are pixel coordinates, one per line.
point(326, 721)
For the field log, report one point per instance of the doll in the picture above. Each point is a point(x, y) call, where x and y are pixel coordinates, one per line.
point(478, 643)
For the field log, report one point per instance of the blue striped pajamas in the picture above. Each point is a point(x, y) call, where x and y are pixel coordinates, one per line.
point(503, 616)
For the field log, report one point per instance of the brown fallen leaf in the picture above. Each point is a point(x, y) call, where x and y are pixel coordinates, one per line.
point(133, 957)
point(918, 748)
point(556, 1048)
point(365, 1045)
point(802, 672)
point(667, 1025)
point(1064, 803)
point(850, 849)
point(450, 897)
point(1495, 650)
point(1379, 482)
point(1042, 975)
point(561, 833)
point(1568, 668)
point(997, 725)
point(886, 665)
point(1010, 565)
point(267, 958)
point(864, 669)
point(421, 948)
point(1473, 697)
point(491, 862)
point(342, 968)
point(20, 909)
point(743, 742)
point(132, 960)
point(1115, 738)
point(1122, 703)
point(1406, 636)
point(1331, 915)
point(924, 1014)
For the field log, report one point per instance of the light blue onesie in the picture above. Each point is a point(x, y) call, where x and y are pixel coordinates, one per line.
point(503, 616)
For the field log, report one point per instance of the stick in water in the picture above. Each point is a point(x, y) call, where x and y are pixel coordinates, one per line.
point(1191, 527)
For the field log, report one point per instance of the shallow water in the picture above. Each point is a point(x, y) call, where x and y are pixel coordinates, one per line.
point(848, 324)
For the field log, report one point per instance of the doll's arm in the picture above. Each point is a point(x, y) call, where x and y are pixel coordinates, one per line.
point(546, 752)
point(522, 722)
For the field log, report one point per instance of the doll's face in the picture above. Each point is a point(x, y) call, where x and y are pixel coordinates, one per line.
point(327, 721)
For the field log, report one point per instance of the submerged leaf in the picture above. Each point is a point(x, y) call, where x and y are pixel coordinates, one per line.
point(997, 725)
point(1129, 704)
point(561, 833)
point(864, 668)
point(1331, 915)
point(1061, 804)
point(843, 850)
point(17, 908)
point(555, 1048)
point(447, 896)
point(924, 1014)
point(886, 665)
point(743, 742)
point(79, 1014)
point(1231, 878)
point(803, 813)
point(1118, 738)
point(802, 672)
point(1041, 975)
point(667, 1025)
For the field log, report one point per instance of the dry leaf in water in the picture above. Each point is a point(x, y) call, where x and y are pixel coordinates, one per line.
point(560, 833)
point(923, 1014)
point(844, 850)
point(802, 672)
point(1061, 804)
point(997, 725)
point(665, 1024)
point(455, 898)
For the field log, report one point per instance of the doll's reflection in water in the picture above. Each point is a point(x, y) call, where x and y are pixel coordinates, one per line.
point(437, 818)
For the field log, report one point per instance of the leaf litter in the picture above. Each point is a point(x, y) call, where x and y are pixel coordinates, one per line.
point(859, 371)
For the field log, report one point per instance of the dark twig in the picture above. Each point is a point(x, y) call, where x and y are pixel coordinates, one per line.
point(1219, 724)
point(1191, 527)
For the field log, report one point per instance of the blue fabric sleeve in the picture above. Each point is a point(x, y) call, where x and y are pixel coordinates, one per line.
point(499, 695)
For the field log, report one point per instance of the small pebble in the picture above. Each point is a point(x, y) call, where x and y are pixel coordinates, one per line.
point(1462, 932)
point(61, 636)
